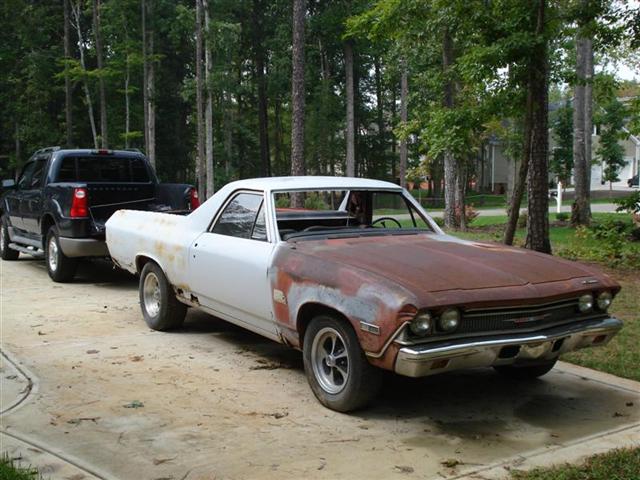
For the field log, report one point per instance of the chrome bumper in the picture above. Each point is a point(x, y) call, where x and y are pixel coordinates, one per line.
point(83, 247)
point(546, 345)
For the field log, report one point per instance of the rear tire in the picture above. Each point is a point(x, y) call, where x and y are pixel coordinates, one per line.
point(336, 367)
point(527, 372)
point(61, 268)
point(160, 308)
point(6, 253)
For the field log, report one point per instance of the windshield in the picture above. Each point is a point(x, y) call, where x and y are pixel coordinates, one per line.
point(322, 213)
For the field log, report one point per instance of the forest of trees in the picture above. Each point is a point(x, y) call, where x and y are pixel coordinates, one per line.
point(215, 90)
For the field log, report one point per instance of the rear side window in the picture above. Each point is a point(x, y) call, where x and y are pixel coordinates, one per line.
point(103, 169)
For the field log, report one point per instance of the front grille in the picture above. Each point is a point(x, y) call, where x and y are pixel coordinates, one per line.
point(520, 318)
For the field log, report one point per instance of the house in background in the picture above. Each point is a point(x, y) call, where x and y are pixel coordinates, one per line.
point(496, 172)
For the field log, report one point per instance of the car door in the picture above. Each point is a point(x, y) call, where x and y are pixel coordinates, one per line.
point(228, 264)
point(31, 197)
point(14, 198)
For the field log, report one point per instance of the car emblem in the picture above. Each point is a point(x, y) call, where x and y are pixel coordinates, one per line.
point(523, 320)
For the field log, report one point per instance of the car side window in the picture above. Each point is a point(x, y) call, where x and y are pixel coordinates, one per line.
point(26, 176)
point(240, 218)
point(260, 226)
point(38, 171)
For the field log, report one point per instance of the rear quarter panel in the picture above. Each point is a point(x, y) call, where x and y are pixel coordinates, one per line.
point(162, 237)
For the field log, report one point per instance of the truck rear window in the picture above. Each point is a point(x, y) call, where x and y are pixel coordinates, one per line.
point(103, 169)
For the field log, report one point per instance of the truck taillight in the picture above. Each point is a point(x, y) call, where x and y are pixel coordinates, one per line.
point(194, 200)
point(79, 203)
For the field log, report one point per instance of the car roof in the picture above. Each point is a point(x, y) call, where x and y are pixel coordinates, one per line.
point(312, 183)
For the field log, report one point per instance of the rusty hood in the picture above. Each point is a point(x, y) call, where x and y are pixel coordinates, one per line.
point(436, 263)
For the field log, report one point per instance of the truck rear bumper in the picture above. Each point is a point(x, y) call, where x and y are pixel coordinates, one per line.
point(540, 347)
point(83, 247)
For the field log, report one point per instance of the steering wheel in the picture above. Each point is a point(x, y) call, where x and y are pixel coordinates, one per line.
point(383, 219)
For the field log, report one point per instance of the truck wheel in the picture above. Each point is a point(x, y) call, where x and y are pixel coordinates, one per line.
point(160, 308)
point(6, 253)
point(525, 372)
point(60, 267)
point(336, 367)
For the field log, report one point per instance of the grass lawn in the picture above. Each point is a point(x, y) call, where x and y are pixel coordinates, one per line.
point(622, 464)
point(9, 471)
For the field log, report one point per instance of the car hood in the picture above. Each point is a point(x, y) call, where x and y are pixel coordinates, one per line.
point(435, 263)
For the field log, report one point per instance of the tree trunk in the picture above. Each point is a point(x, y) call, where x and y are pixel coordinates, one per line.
point(404, 93)
point(449, 159)
point(263, 119)
point(297, 93)
point(538, 206)
point(393, 135)
point(210, 165)
point(68, 104)
point(127, 108)
point(382, 167)
point(145, 75)
point(581, 208)
point(227, 121)
point(461, 186)
point(351, 122)
point(151, 93)
point(200, 162)
point(75, 10)
point(100, 62)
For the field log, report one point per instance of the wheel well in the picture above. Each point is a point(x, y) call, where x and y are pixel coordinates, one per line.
point(47, 223)
point(141, 261)
point(309, 311)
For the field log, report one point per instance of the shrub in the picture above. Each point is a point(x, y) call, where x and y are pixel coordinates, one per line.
point(315, 202)
point(562, 216)
point(439, 221)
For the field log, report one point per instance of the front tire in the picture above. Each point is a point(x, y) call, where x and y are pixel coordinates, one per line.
point(60, 267)
point(160, 308)
point(6, 253)
point(337, 369)
point(527, 372)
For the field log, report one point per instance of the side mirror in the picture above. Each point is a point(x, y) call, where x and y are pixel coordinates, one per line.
point(8, 184)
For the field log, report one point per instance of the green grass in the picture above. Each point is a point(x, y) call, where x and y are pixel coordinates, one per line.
point(10, 471)
point(621, 464)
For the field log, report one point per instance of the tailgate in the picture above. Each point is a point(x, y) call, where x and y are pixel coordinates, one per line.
point(106, 198)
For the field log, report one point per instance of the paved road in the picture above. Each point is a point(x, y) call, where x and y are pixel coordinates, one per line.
point(214, 401)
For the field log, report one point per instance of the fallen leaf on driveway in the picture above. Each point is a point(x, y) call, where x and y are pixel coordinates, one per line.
point(451, 463)
point(93, 351)
point(134, 404)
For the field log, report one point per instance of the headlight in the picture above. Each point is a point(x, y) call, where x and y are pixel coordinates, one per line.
point(585, 303)
point(421, 325)
point(604, 300)
point(449, 320)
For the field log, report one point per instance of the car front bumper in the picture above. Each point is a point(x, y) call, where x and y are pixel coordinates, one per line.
point(524, 348)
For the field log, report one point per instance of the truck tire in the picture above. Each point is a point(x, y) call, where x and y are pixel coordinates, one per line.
point(336, 367)
point(60, 267)
point(160, 308)
point(527, 372)
point(6, 253)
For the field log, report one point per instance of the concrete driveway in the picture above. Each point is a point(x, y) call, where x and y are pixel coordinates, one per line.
point(90, 392)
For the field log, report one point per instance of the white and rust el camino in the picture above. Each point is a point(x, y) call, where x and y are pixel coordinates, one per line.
point(355, 274)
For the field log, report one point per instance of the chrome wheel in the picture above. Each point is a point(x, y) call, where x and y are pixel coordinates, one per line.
point(53, 254)
point(151, 294)
point(330, 360)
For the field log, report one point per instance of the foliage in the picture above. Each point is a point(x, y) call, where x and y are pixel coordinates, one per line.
point(9, 470)
point(611, 120)
point(619, 464)
point(470, 214)
point(314, 201)
point(562, 216)
point(523, 218)
point(629, 204)
point(561, 162)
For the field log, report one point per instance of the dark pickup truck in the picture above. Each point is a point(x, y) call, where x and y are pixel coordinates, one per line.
point(62, 199)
